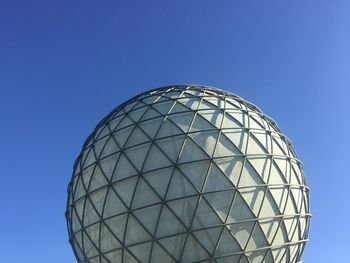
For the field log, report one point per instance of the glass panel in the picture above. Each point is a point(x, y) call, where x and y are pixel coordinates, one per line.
point(90, 215)
point(182, 120)
point(241, 232)
point(253, 197)
point(151, 127)
point(159, 255)
point(169, 224)
point(174, 245)
point(117, 225)
point(115, 256)
point(232, 167)
point(98, 179)
point(141, 252)
point(98, 199)
point(171, 146)
point(227, 245)
point(108, 164)
point(136, 137)
point(216, 180)
point(213, 116)
point(201, 124)
point(208, 237)
point(155, 159)
point(124, 169)
point(135, 233)
point(137, 154)
point(125, 189)
point(195, 172)
point(238, 138)
point(206, 140)
point(108, 241)
point(184, 209)
point(144, 195)
point(179, 186)
point(113, 205)
point(148, 217)
point(205, 216)
point(168, 129)
point(221, 202)
point(240, 210)
point(193, 251)
point(159, 180)
point(192, 152)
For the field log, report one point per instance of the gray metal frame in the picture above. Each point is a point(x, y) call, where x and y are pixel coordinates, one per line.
point(104, 131)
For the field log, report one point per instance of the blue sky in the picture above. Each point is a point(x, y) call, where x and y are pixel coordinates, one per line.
point(65, 64)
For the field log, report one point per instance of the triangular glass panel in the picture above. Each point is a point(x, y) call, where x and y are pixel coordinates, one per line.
point(127, 257)
point(201, 124)
point(160, 255)
point(124, 169)
point(253, 197)
point(113, 123)
point(88, 157)
point(192, 152)
point(98, 199)
point(229, 122)
point(110, 147)
point(213, 116)
point(241, 232)
point(180, 186)
point(190, 102)
point(159, 180)
point(135, 115)
point(216, 180)
point(193, 251)
point(220, 202)
point(90, 214)
point(182, 120)
point(174, 245)
point(249, 176)
point(228, 259)
point(86, 175)
point(108, 240)
point(117, 225)
point(138, 154)
point(171, 146)
point(102, 132)
point(148, 216)
point(91, 238)
point(209, 237)
point(227, 244)
point(141, 252)
point(150, 114)
point(255, 146)
point(184, 209)
point(260, 167)
point(179, 107)
point(270, 227)
point(108, 164)
point(135, 232)
point(126, 121)
point(206, 140)
point(155, 159)
point(225, 147)
point(98, 179)
point(195, 172)
point(257, 239)
point(164, 106)
point(269, 207)
point(240, 210)
point(125, 189)
point(144, 195)
point(98, 146)
point(115, 256)
point(232, 167)
point(257, 256)
point(238, 138)
point(79, 189)
point(277, 176)
point(205, 216)
point(137, 137)
point(168, 129)
point(79, 208)
point(122, 135)
point(151, 127)
point(113, 205)
point(168, 224)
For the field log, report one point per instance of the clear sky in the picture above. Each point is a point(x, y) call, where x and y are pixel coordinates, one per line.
point(65, 64)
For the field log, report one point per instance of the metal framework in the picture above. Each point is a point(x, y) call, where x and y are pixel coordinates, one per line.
point(187, 174)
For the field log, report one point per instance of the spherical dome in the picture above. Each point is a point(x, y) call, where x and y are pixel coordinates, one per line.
point(187, 174)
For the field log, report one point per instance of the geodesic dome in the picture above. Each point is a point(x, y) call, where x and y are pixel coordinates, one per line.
point(187, 174)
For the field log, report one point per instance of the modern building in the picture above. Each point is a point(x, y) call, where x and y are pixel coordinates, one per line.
point(188, 174)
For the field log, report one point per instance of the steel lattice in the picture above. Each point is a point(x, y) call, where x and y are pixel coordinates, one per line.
point(187, 174)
